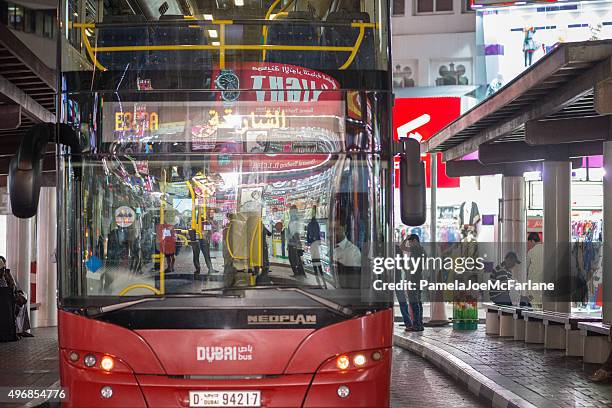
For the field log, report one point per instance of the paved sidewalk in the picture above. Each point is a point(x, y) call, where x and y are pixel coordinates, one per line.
point(509, 373)
point(417, 383)
point(30, 362)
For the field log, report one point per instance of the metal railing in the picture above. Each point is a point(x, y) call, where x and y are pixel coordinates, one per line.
point(222, 47)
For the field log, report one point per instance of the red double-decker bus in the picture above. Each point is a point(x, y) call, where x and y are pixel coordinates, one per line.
point(224, 186)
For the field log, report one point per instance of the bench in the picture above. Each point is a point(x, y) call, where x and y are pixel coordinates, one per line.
point(596, 341)
point(556, 330)
point(511, 322)
point(492, 318)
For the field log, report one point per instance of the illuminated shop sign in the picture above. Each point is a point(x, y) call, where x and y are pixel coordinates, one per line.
point(499, 3)
point(421, 118)
point(261, 127)
point(128, 121)
point(271, 82)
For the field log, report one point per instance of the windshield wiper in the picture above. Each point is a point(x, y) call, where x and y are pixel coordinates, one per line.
point(95, 311)
point(330, 304)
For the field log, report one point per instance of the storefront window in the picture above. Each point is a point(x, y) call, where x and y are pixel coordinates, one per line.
point(399, 7)
point(434, 6)
point(15, 17)
point(515, 38)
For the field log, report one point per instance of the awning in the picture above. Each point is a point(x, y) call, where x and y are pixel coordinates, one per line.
point(559, 86)
point(27, 91)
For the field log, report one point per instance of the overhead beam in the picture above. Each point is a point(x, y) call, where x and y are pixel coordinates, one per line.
point(513, 152)
point(18, 49)
point(568, 130)
point(539, 109)
point(603, 98)
point(10, 117)
point(465, 168)
point(28, 105)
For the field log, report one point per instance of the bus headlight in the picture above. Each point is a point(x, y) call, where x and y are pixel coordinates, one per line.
point(343, 391)
point(343, 362)
point(106, 391)
point(107, 363)
point(359, 360)
point(90, 360)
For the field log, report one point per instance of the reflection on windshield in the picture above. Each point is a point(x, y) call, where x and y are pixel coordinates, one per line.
point(164, 227)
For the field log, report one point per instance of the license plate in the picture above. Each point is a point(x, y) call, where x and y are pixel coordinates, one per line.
point(224, 398)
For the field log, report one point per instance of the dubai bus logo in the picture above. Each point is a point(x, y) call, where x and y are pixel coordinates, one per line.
point(224, 353)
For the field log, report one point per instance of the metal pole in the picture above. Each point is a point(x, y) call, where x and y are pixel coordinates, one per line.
point(438, 307)
point(514, 229)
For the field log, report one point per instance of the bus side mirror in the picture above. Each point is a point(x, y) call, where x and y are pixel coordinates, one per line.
point(25, 169)
point(412, 185)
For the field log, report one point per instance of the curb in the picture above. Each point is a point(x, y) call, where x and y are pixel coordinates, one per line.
point(480, 385)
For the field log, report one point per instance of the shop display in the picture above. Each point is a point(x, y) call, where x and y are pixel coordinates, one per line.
point(587, 258)
point(529, 45)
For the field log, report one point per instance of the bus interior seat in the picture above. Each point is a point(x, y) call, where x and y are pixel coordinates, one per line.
point(346, 36)
point(299, 31)
point(178, 35)
point(126, 35)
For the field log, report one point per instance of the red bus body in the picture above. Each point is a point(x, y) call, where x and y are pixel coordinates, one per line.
point(291, 367)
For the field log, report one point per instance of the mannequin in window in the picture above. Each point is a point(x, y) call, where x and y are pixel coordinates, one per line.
point(529, 45)
point(469, 214)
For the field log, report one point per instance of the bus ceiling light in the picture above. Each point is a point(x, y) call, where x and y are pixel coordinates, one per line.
point(106, 391)
point(213, 33)
point(343, 391)
point(239, 3)
point(343, 362)
point(208, 17)
point(107, 363)
point(359, 360)
point(90, 360)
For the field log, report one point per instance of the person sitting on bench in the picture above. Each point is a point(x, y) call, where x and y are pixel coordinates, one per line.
point(502, 274)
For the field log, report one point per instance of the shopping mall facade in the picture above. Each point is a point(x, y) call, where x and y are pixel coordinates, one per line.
point(525, 146)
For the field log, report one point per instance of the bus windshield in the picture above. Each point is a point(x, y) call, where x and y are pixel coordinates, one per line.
point(225, 144)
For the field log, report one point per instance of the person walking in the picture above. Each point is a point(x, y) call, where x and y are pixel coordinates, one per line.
point(535, 266)
point(295, 243)
point(412, 245)
point(313, 239)
point(401, 295)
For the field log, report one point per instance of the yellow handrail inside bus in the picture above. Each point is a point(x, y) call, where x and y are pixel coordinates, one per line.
point(139, 286)
point(223, 47)
point(194, 224)
point(162, 273)
point(264, 30)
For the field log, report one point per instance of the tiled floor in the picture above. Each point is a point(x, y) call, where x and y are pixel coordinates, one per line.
point(29, 362)
point(546, 378)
